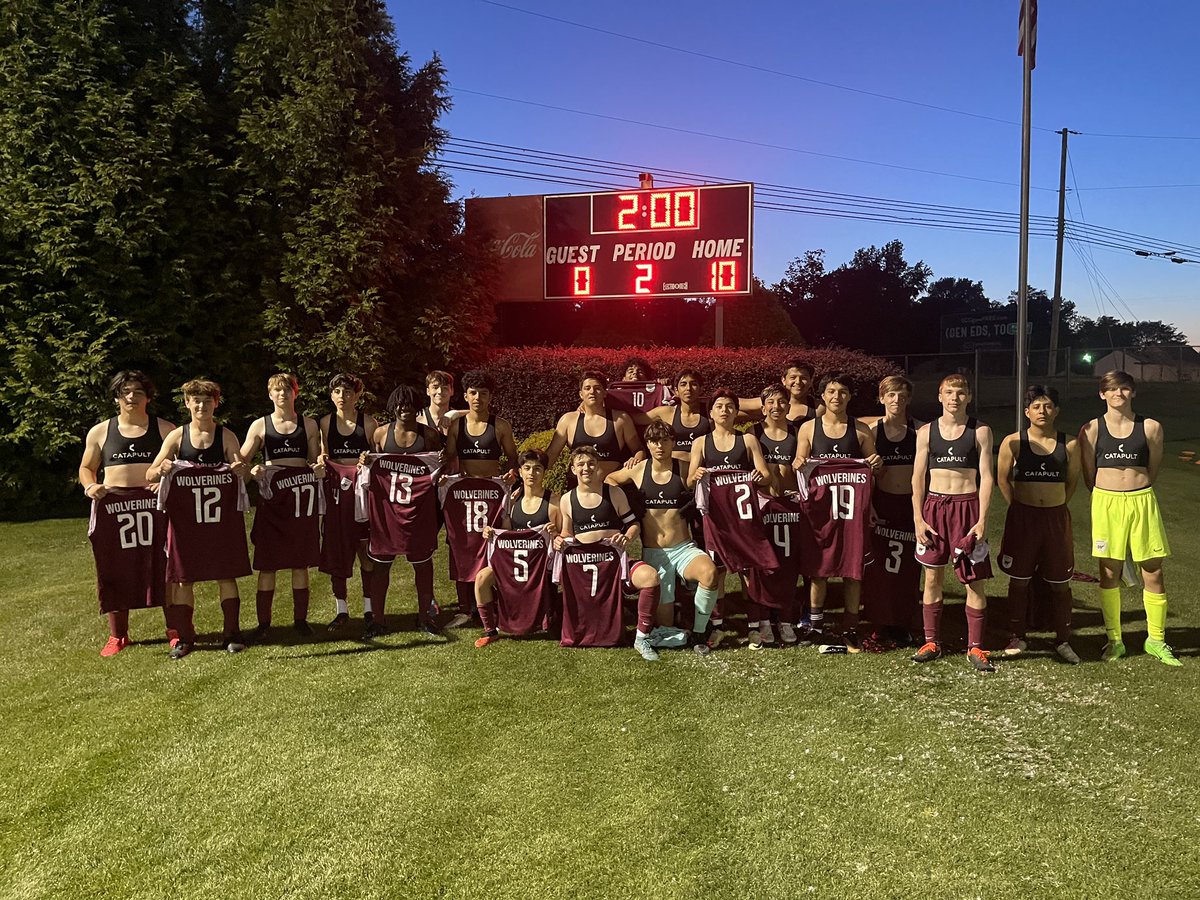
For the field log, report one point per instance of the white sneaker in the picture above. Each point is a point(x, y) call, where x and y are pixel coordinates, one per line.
point(642, 645)
point(755, 636)
point(768, 635)
point(459, 620)
point(787, 634)
point(1067, 654)
point(716, 636)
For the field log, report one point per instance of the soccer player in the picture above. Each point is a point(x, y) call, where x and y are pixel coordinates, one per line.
point(636, 368)
point(286, 439)
point(533, 508)
point(116, 455)
point(892, 583)
point(406, 436)
point(834, 435)
point(1039, 468)
point(797, 380)
point(439, 386)
point(474, 445)
point(345, 436)
point(1121, 453)
point(667, 542)
point(212, 547)
point(778, 439)
point(687, 416)
point(952, 489)
point(594, 512)
point(611, 434)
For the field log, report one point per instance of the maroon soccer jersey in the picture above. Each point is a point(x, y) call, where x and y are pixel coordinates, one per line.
point(129, 539)
point(733, 526)
point(523, 564)
point(592, 577)
point(287, 521)
point(397, 495)
point(340, 530)
point(468, 505)
point(892, 585)
point(787, 526)
point(836, 495)
point(637, 396)
point(206, 526)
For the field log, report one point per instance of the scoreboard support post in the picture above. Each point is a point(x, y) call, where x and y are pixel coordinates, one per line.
point(719, 329)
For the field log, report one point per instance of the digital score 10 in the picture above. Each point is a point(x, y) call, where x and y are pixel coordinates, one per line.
point(662, 242)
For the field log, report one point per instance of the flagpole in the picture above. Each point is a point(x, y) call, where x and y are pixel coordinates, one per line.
point(1028, 10)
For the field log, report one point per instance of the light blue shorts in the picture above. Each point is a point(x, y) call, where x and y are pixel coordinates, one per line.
point(670, 562)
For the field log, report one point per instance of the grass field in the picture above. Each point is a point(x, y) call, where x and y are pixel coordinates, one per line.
point(421, 768)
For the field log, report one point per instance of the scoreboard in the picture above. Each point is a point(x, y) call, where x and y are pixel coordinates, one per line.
point(660, 242)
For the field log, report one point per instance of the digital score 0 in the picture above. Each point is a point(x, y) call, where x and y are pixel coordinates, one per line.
point(661, 242)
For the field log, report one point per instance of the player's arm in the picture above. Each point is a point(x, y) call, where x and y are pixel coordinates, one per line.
point(625, 476)
point(749, 409)
point(756, 457)
point(566, 528)
point(633, 528)
point(1004, 466)
point(559, 441)
point(1154, 438)
point(378, 436)
point(1073, 467)
point(920, 471)
point(508, 444)
point(254, 440)
point(804, 439)
point(555, 525)
point(323, 427)
point(166, 454)
point(628, 435)
point(696, 469)
point(869, 420)
point(312, 431)
point(987, 480)
point(1087, 453)
point(866, 440)
point(233, 454)
point(89, 465)
point(449, 451)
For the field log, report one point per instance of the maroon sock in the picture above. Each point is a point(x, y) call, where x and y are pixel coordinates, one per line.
point(381, 579)
point(849, 622)
point(262, 606)
point(931, 616)
point(339, 587)
point(118, 623)
point(487, 615)
point(647, 608)
point(466, 596)
point(423, 575)
point(717, 615)
point(170, 618)
point(1062, 615)
point(976, 618)
point(231, 608)
point(300, 604)
point(1018, 606)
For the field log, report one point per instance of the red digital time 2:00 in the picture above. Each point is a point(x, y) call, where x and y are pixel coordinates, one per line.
point(666, 210)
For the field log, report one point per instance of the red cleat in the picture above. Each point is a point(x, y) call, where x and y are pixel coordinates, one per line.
point(487, 639)
point(114, 646)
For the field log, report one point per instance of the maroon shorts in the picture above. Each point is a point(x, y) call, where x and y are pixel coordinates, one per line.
point(952, 516)
point(1038, 539)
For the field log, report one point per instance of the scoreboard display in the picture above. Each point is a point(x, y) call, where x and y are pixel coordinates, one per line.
point(659, 242)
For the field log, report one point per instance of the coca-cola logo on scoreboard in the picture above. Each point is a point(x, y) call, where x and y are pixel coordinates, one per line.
point(518, 245)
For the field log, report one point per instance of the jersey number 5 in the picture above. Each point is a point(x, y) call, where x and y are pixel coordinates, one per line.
point(520, 565)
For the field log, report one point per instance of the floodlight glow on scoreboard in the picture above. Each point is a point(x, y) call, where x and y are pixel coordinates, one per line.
point(661, 242)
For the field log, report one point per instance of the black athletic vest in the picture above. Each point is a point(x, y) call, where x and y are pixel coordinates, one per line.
point(284, 446)
point(119, 450)
point(845, 447)
point(602, 517)
point(672, 495)
point(347, 446)
point(607, 445)
point(420, 445)
point(1120, 453)
point(781, 452)
point(425, 416)
point(961, 453)
point(800, 420)
point(485, 446)
point(209, 456)
point(896, 453)
point(521, 519)
point(684, 436)
point(735, 459)
point(1033, 467)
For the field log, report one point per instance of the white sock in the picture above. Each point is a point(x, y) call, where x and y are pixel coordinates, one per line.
point(367, 604)
point(342, 608)
point(816, 619)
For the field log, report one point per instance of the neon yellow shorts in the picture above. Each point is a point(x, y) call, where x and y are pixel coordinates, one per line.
point(1126, 523)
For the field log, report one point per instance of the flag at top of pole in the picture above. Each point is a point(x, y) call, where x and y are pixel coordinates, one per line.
point(1032, 4)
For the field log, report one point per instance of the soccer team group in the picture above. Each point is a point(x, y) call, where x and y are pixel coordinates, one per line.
point(805, 495)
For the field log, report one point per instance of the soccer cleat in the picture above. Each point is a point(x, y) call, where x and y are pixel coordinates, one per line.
point(810, 636)
point(1113, 651)
point(340, 621)
point(1015, 647)
point(459, 620)
point(373, 629)
point(429, 627)
point(489, 637)
point(755, 638)
point(787, 634)
point(114, 645)
point(179, 649)
point(928, 653)
point(302, 628)
point(979, 659)
point(831, 648)
point(699, 644)
point(1161, 651)
point(259, 634)
point(233, 643)
point(853, 644)
point(641, 644)
point(715, 637)
point(1067, 654)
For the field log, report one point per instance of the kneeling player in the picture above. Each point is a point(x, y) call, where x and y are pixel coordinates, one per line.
point(593, 513)
point(1039, 468)
point(667, 542)
point(531, 516)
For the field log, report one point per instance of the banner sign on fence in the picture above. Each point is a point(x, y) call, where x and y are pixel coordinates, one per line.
point(995, 330)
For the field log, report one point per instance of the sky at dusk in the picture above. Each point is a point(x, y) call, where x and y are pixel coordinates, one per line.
point(914, 101)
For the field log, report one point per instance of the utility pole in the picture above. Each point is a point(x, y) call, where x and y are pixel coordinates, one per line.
point(1025, 48)
point(1056, 306)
